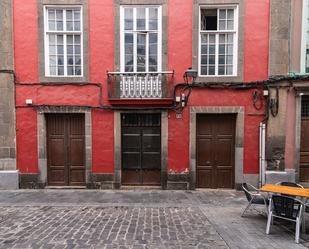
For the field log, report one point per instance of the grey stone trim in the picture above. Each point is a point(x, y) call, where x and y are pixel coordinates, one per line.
point(239, 139)
point(6, 34)
point(9, 179)
point(178, 181)
point(7, 98)
point(42, 77)
point(241, 37)
point(42, 160)
point(164, 4)
point(279, 37)
point(164, 145)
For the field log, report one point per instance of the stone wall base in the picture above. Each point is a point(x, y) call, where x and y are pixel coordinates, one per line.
point(30, 181)
point(102, 181)
point(178, 182)
point(9, 179)
point(272, 177)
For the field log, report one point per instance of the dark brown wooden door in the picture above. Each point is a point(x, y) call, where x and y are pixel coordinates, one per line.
point(141, 149)
point(65, 150)
point(304, 141)
point(215, 147)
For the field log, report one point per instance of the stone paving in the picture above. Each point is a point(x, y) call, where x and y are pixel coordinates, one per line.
point(135, 219)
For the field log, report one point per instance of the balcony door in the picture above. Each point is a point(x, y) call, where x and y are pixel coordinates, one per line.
point(141, 149)
point(304, 143)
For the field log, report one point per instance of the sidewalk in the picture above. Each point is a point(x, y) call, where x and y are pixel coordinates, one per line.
point(135, 219)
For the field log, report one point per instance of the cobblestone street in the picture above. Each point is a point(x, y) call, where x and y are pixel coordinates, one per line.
point(135, 219)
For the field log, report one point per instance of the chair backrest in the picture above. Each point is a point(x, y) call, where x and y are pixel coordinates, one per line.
point(290, 184)
point(247, 191)
point(285, 206)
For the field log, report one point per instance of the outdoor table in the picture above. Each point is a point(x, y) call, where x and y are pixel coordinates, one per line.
point(303, 193)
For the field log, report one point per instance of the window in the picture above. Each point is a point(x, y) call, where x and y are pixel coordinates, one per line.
point(63, 41)
point(305, 39)
point(140, 39)
point(218, 41)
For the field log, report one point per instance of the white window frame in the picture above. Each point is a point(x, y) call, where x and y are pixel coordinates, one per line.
point(305, 24)
point(122, 34)
point(235, 42)
point(46, 41)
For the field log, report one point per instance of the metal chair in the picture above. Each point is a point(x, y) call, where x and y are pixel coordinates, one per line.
point(287, 208)
point(253, 196)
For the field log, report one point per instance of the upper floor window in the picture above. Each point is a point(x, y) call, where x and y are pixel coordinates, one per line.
point(218, 41)
point(140, 39)
point(63, 41)
point(305, 39)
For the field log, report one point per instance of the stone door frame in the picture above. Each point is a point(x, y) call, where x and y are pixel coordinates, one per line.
point(42, 140)
point(117, 145)
point(239, 139)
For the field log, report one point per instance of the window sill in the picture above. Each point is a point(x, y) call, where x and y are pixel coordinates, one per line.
point(220, 78)
point(64, 79)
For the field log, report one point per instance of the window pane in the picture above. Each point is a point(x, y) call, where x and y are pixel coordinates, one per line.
point(76, 15)
point(77, 50)
point(221, 49)
point(153, 49)
point(222, 25)
point(52, 39)
point(52, 70)
point(70, 39)
point(59, 15)
point(230, 14)
point(221, 59)
point(69, 25)
point(128, 19)
point(230, 38)
point(204, 38)
point(69, 15)
point(230, 25)
point(203, 59)
point(70, 49)
point(208, 19)
point(230, 59)
point(153, 68)
point(52, 60)
point(70, 70)
point(78, 71)
point(77, 39)
point(153, 38)
point(60, 60)
point(212, 59)
point(221, 70)
point(212, 49)
point(204, 49)
point(59, 39)
point(140, 19)
point(153, 18)
point(153, 60)
point(60, 49)
point(78, 60)
point(77, 26)
point(211, 70)
point(222, 14)
point(229, 70)
point(61, 70)
point(52, 50)
point(204, 70)
point(70, 60)
point(59, 25)
point(51, 15)
point(212, 39)
point(51, 25)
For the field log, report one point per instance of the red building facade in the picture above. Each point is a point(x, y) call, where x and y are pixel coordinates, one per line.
point(77, 125)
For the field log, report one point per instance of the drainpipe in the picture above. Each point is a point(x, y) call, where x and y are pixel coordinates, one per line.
point(262, 161)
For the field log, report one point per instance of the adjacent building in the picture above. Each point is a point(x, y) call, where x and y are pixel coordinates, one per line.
point(8, 172)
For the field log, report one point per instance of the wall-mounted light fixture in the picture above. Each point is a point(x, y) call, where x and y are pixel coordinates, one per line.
point(190, 75)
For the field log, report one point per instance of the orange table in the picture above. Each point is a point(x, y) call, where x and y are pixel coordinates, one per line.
point(271, 188)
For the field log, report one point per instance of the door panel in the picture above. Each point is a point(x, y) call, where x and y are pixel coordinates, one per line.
point(304, 150)
point(66, 149)
point(141, 149)
point(215, 148)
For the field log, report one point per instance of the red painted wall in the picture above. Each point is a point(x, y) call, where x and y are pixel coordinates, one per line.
point(101, 59)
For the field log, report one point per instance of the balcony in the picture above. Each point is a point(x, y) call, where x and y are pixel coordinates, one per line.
point(140, 88)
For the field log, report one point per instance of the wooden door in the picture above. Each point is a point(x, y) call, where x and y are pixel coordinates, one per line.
point(304, 141)
point(215, 147)
point(141, 149)
point(65, 149)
